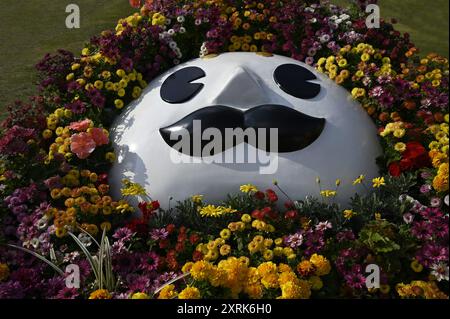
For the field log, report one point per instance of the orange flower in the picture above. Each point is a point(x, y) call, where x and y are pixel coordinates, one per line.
point(82, 145)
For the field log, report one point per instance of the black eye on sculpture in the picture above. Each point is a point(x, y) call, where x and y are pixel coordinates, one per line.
point(294, 80)
point(177, 88)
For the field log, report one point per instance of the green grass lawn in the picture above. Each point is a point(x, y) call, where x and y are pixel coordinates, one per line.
point(32, 28)
point(29, 29)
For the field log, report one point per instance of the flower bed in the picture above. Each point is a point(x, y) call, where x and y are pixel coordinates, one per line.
point(56, 153)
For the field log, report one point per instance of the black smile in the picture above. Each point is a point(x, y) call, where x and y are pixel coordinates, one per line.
point(295, 129)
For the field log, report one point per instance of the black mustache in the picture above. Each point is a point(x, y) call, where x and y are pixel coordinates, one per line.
point(295, 129)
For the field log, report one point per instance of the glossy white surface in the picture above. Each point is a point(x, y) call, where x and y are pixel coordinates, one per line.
point(347, 147)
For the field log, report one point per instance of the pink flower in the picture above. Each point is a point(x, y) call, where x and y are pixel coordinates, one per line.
point(80, 126)
point(99, 136)
point(82, 145)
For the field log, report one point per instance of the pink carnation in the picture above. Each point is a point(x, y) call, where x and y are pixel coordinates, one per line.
point(82, 145)
point(99, 136)
point(80, 126)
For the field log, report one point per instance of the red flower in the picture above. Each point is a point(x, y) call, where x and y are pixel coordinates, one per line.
point(164, 243)
point(148, 209)
point(290, 214)
point(170, 228)
point(394, 169)
point(135, 3)
point(257, 214)
point(179, 247)
point(271, 195)
point(414, 157)
point(259, 195)
point(138, 226)
point(288, 204)
point(194, 238)
point(267, 211)
point(197, 255)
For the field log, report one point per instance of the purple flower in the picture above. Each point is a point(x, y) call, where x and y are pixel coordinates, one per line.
point(324, 226)
point(159, 234)
point(435, 202)
point(355, 280)
point(77, 107)
point(67, 293)
point(422, 230)
point(294, 240)
point(408, 218)
point(123, 234)
point(149, 261)
point(425, 188)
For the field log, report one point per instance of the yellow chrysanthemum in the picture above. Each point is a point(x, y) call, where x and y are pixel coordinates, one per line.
point(189, 293)
point(321, 263)
point(100, 294)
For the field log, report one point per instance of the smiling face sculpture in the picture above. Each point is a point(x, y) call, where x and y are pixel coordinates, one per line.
point(290, 124)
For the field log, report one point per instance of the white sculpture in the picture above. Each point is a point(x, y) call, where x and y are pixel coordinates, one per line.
point(322, 132)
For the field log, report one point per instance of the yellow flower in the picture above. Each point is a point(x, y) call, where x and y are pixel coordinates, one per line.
point(299, 290)
point(348, 214)
point(365, 57)
point(248, 188)
point(4, 272)
point(118, 103)
point(328, 193)
point(342, 63)
point(400, 147)
point(378, 182)
point(399, 133)
point(416, 266)
point(132, 189)
point(225, 250)
point(268, 254)
point(168, 292)
point(215, 211)
point(321, 263)
point(140, 295)
point(316, 282)
point(225, 233)
point(197, 199)
point(305, 268)
point(200, 270)
point(246, 218)
point(189, 293)
point(100, 294)
point(359, 180)
point(384, 289)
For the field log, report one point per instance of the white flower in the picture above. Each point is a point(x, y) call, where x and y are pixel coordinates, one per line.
point(172, 45)
point(344, 16)
point(168, 21)
point(182, 30)
point(440, 271)
point(171, 31)
point(446, 200)
point(42, 223)
point(85, 239)
point(180, 19)
point(35, 243)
